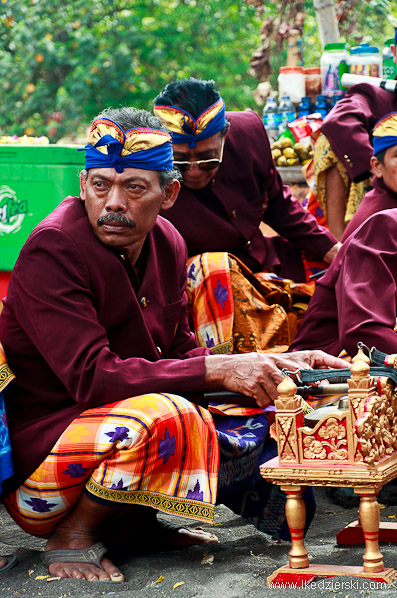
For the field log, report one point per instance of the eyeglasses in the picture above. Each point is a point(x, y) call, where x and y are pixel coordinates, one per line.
point(201, 164)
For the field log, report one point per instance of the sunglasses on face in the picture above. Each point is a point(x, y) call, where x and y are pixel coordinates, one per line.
point(201, 164)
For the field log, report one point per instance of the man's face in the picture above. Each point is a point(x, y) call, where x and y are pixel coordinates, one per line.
point(206, 149)
point(122, 207)
point(387, 170)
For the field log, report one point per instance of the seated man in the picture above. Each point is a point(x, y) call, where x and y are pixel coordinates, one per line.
point(230, 185)
point(383, 196)
point(95, 330)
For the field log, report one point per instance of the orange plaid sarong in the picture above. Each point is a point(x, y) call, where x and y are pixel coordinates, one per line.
point(157, 450)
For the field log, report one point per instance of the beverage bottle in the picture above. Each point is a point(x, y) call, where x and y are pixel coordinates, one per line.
point(321, 105)
point(271, 118)
point(287, 113)
point(304, 107)
point(338, 95)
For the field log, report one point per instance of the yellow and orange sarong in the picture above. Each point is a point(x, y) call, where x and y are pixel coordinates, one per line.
point(236, 311)
point(157, 450)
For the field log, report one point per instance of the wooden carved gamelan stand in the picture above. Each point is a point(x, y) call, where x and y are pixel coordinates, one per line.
point(356, 448)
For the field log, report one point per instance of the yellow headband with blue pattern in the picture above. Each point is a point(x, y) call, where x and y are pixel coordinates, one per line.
point(185, 128)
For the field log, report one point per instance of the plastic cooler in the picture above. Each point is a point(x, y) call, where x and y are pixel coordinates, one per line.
point(34, 179)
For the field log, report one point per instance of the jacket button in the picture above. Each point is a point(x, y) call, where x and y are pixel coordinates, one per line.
point(144, 302)
point(234, 214)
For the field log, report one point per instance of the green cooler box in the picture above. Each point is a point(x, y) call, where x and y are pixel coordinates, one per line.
point(34, 179)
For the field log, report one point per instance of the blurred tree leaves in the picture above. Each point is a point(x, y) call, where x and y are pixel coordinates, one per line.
point(63, 62)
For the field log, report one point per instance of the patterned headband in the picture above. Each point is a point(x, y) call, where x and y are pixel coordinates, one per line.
point(385, 133)
point(109, 147)
point(185, 128)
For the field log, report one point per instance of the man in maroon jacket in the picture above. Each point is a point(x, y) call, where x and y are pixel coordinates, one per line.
point(95, 329)
point(230, 185)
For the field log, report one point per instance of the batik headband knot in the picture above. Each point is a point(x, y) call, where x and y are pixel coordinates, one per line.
point(384, 134)
point(185, 128)
point(109, 147)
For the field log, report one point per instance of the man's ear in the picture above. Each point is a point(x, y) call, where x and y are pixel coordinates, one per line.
point(376, 167)
point(83, 182)
point(170, 194)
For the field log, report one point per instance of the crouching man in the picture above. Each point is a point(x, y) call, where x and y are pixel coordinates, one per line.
point(104, 415)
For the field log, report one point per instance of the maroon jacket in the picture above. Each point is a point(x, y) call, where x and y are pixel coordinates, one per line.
point(80, 330)
point(378, 199)
point(247, 189)
point(356, 299)
point(349, 124)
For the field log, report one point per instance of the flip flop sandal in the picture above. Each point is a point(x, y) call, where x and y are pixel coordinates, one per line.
point(92, 555)
point(12, 561)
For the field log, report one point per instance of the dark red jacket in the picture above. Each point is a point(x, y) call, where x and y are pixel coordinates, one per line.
point(80, 331)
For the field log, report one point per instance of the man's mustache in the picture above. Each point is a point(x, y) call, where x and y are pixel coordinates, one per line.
point(118, 218)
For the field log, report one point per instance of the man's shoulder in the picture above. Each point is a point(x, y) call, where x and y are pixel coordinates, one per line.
point(246, 131)
point(379, 229)
point(243, 119)
point(68, 212)
point(66, 226)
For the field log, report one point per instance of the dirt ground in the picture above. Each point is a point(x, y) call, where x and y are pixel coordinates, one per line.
point(237, 567)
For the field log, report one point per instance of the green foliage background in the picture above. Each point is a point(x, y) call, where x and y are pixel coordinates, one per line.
point(63, 62)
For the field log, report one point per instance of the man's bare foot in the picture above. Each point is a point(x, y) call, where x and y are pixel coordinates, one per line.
point(148, 532)
point(3, 562)
point(68, 543)
point(184, 537)
point(7, 562)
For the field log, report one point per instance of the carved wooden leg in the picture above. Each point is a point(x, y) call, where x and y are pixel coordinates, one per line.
point(295, 512)
point(369, 519)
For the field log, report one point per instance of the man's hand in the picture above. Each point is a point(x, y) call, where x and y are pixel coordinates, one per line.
point(257, 375)
point(332, 253)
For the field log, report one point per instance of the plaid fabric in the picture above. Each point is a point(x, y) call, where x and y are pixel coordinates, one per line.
point(210, 295)
point(155, 450)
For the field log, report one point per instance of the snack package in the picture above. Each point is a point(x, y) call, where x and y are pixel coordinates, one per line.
point(306, 129)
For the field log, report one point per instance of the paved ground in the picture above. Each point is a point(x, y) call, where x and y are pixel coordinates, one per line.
point(241, 562)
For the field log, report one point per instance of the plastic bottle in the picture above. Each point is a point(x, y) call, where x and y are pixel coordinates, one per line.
point(321, 105)
point(338, 95)
point(305, 107)
point(287, 113)
point(271, 118)
point(332, 57)
point(388, 65)
point(291, 81)
point(365, 60)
